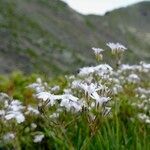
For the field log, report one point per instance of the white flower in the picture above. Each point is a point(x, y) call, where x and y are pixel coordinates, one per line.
point(89, 88)
point(14, 111)
point(8, 136)
point(127, 67)
point(66, 100)
point(15, 106)
point(69, 105)
point(147, 66)
point(100, 99)
point(117, 88)
point(86, 71)
point(55, 88)
point(98, 53)
point(54, 115)
point(46, 96)
point(116, 47)
point(133, 78)
point(102, 69)
point(140, 105)
point(76, 84)
point(67, 91)
point(33, 125)
point(97, 50)
point(38, 138)
point(39, 80)
point(32, 110)
point(143, 91)
point(15, 115)
point(70, 102)
point(20, 118)
point(2, 112)
point(6, 104)
point(72, 77)
point(38, 86)
point(69, 97)
point(144, 118)
point(4, 97)
point(143, 96)
point(147, 121)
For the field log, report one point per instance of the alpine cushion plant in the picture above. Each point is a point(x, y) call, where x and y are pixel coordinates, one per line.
point(101, 107)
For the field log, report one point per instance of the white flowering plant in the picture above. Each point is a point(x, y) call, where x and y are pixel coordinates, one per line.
point(101, 107)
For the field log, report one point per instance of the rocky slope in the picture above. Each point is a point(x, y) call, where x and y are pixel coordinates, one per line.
point(49, 37)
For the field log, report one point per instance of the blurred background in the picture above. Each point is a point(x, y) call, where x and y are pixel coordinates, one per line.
point(52, 36)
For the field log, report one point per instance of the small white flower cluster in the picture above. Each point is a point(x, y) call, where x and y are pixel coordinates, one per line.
point(14, 109)
point(67, 100)
point(143, 104)
point(101, 70)
point(38, 138)
point(32, 110)
point(132, 74)
point(92, 94)
point(8, 137)
point(97, 50)
point(133, 78)
point(144, 91)
point(144, 118)
point(98, 53)
point(141, 68)
point(38, 86)
point(13, 112)
point(116, 48)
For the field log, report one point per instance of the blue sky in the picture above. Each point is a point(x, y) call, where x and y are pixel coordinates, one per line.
point(98, 6)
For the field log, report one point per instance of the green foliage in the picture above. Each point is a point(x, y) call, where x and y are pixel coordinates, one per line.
point(39, 41)
point(15, 85)
point(121, 130)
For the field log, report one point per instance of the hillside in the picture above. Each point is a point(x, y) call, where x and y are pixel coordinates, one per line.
point(49, 37)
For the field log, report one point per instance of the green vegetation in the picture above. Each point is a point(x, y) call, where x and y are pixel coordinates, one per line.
point(122, 130)
point(65, 112)
point(99, 107)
